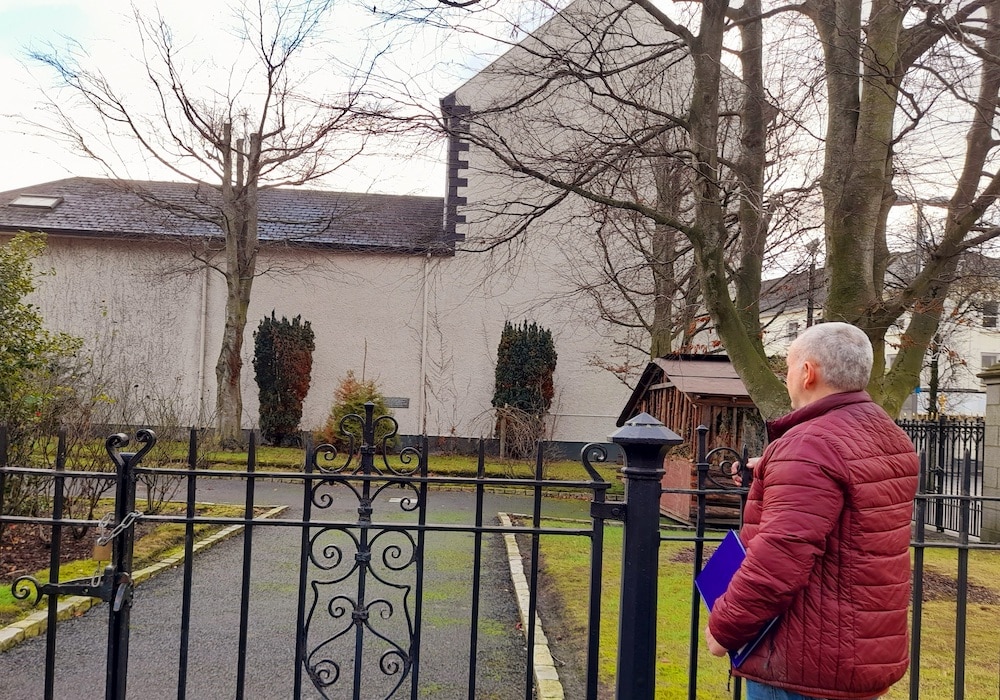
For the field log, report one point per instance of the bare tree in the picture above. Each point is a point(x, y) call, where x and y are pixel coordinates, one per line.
point(585, 122)
point(260, 126)
point(639, 275)
point(860, 100)
point(584, 106)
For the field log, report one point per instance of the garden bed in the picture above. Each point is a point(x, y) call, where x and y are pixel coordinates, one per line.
point(25, 549)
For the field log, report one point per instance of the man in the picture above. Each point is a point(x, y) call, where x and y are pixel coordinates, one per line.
point(827, 533)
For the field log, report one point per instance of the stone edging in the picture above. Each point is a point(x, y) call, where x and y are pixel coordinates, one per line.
point(71, 606)
point(547, 682)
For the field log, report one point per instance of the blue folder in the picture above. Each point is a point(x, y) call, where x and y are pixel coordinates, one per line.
point(714, 579)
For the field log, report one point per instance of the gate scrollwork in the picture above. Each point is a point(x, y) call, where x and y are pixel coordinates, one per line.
point(359, 622)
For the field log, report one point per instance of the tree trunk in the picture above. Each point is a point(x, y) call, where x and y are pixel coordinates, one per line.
point(709, 235)
point(239, 206)
point(858, 150)
point(926, 295)
point(663, 247)
point(668, 319)
point(753, 137)
point(228, 370)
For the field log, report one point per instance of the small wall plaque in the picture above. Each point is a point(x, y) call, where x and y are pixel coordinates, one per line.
point(397, 402)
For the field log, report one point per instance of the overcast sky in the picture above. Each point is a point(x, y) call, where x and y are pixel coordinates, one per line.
point(28, 160)
point(105, 29)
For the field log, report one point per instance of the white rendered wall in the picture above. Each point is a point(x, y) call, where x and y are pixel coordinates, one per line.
point(145, 318)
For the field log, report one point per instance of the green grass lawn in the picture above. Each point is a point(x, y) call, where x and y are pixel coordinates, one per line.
point(437, 464)
point(564, 558)
point(937, 648)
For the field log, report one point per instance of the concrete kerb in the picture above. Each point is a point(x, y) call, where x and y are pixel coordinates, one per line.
point(71, 606)
point(547, 682)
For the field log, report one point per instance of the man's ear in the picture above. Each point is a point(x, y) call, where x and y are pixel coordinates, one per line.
point(810, 375)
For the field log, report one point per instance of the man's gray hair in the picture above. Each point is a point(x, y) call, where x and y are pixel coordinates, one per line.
point(842, 351)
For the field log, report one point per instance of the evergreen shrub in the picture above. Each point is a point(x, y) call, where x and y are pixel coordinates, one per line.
point(350, 398)
point(282, 361)
point(524, 388)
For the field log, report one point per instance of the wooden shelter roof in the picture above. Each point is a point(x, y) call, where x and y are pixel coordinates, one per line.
point(702, 378)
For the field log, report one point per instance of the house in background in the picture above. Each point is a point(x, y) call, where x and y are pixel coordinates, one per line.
point(968, 340)
point(554, 141)
point(387, 289)
point(410, 291)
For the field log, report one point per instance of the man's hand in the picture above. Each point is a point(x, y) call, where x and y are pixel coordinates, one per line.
point(714, 647)
point(751, 465)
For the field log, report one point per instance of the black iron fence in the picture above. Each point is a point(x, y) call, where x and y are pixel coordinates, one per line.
point(949, 500)
point(357, 579)
point(360, 566)
point(950, 450)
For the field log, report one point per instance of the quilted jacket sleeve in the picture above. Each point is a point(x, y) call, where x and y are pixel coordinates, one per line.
point(800, 493)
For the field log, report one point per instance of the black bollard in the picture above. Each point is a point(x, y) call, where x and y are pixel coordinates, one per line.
point(645, 441)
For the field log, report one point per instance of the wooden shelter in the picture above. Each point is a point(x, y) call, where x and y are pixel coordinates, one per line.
point(685, 391)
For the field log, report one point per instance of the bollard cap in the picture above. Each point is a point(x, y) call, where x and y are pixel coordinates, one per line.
point(643, 429)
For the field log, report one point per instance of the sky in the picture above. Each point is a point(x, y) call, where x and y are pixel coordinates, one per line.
point(106, 30)
point(26, 158)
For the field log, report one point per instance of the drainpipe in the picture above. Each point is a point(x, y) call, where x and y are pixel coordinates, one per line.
point(423, 350)
point(203, 342)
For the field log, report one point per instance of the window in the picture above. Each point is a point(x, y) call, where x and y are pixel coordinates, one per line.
point(792, 330)
point(37, 201)
point(990, 359)
point(990, 314)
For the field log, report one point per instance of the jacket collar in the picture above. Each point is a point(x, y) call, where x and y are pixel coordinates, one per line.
point(780, 426)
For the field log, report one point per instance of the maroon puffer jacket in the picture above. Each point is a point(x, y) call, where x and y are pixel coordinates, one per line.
point(827, 531)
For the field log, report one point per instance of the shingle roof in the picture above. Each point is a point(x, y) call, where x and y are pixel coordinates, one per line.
point(704, 375)
point(312, 218)
point(792, 292)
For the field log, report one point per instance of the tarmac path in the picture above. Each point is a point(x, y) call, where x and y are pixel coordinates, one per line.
point(212, 664)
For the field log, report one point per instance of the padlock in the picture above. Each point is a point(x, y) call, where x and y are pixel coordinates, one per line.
point(102, 552)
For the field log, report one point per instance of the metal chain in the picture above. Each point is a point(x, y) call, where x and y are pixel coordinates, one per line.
point(104, 537)
point(127, 522)
point(104, 525)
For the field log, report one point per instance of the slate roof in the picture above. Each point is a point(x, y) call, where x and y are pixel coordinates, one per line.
point(311, 218)
point(791, 292)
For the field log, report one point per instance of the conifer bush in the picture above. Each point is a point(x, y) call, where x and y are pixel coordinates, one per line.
point(350, 398)
point(523, 389)
point(282, 361)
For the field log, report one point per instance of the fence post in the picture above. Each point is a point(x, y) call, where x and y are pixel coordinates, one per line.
point(990, 528)
point(645, 441)
point(122, 543)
